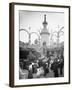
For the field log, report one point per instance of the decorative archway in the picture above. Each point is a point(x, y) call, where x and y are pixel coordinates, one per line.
point(24, 31)
point(29, 34)
point(57, 34)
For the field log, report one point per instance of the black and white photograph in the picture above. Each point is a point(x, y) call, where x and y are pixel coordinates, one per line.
point(39, 44)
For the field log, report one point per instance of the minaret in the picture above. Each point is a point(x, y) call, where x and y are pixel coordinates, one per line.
point(44, 33)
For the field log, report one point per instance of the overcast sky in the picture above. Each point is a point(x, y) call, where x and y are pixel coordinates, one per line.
point(34, 20)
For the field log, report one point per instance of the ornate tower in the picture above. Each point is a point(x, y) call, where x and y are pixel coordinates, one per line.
point(44, 33)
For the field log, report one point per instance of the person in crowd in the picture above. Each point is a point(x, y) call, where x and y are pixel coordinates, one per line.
point(40, 63)
point(30, 66)
point(30, 74)
point(44, 67)
point(23, 73)
point(50, 61)
point(61, 64)
point(54, 67)
point(34, 67)
point(40, 72)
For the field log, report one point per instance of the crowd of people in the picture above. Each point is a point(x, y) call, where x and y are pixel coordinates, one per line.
point(42, 67)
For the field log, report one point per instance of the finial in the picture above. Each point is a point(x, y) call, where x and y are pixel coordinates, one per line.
point(45, 18)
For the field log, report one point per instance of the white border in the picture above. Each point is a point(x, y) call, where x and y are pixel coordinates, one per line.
point(16, 46)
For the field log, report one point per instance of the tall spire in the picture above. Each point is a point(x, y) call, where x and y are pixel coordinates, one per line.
point(45, 22)
point(45, 18)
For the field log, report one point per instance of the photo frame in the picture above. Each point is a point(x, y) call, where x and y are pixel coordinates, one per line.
point(39, 44)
